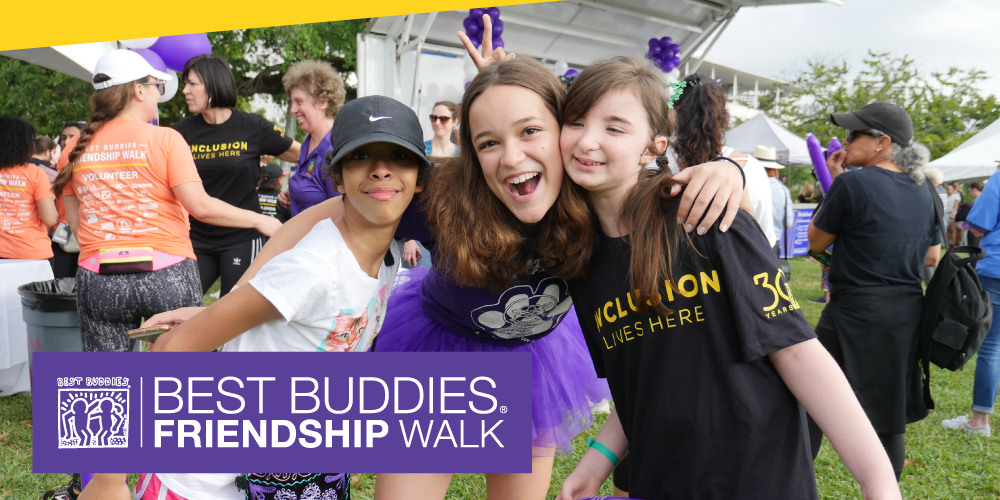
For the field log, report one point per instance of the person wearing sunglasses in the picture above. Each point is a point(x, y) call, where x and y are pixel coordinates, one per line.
point(227, 145)
point(880, 220)
point(444, 118)
point(128, 187)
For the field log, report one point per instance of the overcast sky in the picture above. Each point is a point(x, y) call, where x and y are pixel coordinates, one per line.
point(936, 33)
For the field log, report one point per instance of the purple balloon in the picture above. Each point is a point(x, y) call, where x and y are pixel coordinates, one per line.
point(473, 29)
point(657, 59)
point(834, 146)
point(571, 73)
point(497, 43)
point(467, 85)
point(655, 50)
point(477, 39)
point(676, 49)
point(497, 27)
point(675, 61)
point(654, 42)
point(666, 41)
point(819, 162)
point(176, 50)
point(466, 23)
point(476, 14)
point(152, 58)
point(667, 67)
point(494, 13)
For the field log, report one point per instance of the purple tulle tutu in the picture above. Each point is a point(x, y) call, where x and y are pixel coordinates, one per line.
point(565, 389)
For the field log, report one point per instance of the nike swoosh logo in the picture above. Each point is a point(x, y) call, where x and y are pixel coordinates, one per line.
point(377, 118)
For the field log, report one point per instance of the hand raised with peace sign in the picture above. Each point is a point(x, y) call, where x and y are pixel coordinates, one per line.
point(488, 55)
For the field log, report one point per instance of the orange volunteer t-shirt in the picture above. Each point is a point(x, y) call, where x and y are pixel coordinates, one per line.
point(124, 181)
point(22, 233)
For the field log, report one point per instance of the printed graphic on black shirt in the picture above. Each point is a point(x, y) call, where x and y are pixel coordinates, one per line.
point(698, 399)
point(228, 159)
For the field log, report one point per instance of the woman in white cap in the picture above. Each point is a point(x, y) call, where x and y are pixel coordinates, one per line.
point(128, 188)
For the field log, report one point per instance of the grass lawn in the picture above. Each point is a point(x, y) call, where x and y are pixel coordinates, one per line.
point(943, 464)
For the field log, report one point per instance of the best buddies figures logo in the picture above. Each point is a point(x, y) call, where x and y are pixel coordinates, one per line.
point(282, 412)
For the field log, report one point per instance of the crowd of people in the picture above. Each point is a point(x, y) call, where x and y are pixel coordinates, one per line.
point(605, 228)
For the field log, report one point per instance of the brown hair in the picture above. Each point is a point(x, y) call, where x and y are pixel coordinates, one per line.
point(480, 242)
point(105, 105)
point(702, 120)
point(454, 108)
point(647, 211)
point(320, 80)
point(978, 186)
point(43, 144)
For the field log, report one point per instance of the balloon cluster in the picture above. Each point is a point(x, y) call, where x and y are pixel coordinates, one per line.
point(474, 26)
point(169, 54)
point(565, 73)
point(664, 53)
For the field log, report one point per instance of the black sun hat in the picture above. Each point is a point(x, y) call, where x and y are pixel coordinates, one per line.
point(882, 116)
point(376, 119)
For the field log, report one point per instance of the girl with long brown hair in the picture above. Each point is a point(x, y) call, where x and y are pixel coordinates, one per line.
point(701, 340)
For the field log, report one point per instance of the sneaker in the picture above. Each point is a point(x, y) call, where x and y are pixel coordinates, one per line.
point(963, 424)
point(819, 300)
point(67, 492)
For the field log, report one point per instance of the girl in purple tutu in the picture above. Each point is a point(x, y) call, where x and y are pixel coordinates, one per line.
point(505, 224)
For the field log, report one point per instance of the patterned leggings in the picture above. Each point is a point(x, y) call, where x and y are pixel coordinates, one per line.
point(328, 486)
point(111, 304)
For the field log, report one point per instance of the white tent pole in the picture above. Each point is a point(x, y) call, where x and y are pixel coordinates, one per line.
point(708, 49)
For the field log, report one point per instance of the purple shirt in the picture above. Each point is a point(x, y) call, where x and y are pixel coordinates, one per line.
point(523, 313)
point(309, 186)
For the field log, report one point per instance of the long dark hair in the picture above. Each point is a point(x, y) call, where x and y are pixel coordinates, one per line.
point(702, 121)
point(480, 242)
point(17, 141)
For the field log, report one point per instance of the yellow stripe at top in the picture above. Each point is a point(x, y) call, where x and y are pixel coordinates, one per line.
point(110, 166)
point(218, 15)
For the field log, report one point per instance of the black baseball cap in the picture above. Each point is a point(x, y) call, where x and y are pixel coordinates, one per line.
point(376, 119)
point(272, 171)
point(882, 116)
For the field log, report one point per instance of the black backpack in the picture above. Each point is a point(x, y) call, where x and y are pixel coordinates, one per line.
point(957, 313)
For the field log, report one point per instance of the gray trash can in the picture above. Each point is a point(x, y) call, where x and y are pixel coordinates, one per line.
point(49, 309)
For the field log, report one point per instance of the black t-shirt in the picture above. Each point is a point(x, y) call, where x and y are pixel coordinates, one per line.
point(706, 414)
point(963, 210)
point(228, 159)
point(884, 224)
point(271, 207)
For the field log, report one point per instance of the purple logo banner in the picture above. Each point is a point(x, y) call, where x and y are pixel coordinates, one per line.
point(282, 412)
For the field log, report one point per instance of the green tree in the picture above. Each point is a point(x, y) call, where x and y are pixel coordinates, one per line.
point(42, 96)
point(946, 108)
point(259, 57)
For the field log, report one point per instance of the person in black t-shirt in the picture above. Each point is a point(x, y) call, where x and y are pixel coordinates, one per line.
point(703, 344)
point(268, 190)
point(227, 145)
point(881, 221)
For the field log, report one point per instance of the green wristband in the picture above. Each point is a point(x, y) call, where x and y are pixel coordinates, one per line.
point(603, 450)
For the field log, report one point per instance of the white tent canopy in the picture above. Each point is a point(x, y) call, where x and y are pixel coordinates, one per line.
point(975, 159)
point(74, 60)
point(763, 131)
